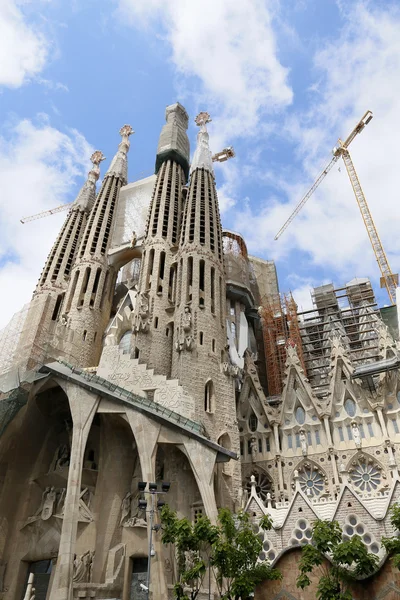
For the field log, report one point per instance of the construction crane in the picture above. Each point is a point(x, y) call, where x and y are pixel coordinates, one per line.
point(388, 279)
point(46, 213)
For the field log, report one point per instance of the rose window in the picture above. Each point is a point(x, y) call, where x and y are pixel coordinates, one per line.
point(311, 481)
point(365, 476)
point(263, 485)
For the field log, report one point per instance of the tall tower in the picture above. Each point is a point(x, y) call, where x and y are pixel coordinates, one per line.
point(153, 325)
point(200, 325)
point(89, 297)
point(35, 345)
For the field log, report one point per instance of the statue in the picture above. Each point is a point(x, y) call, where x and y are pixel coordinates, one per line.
point(189, 341)
point(356, 434)
point(61, 501)
point(82, 568)
point(303, 442)
point(125, 508)
point(253, 446)
point(48, 505)
point(61, 458)
point(187, 320)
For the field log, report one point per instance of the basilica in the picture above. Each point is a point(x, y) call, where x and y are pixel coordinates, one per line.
point(158, 362)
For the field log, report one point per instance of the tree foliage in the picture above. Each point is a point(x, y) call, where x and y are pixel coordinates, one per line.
point(231, 549)
point(348, 560)
point(392, 544)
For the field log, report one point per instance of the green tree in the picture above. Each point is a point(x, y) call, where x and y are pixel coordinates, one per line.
point(392, 544)
point(231, 549)
point(339, 562)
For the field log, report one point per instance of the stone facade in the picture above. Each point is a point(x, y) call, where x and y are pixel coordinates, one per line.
point(143, 359)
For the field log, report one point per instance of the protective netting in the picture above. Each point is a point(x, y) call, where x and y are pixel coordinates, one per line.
point(9, 338)
point(133, 207)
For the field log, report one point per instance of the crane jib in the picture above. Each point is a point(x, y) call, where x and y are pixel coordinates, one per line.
point(389, 279)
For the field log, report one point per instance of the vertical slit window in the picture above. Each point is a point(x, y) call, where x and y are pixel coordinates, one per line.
point(161, 269)
point(172, 283)
point(201, 283)
point(180, 276)
point(57, 307)
point(150, 269)
point(84, 286)
point(72, 294)
point(213, 290)
point(189, 279)
point(158, 195)
point(95, 286)
point(104, 293)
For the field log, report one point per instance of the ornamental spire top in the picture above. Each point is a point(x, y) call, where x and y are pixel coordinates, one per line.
point(96, 158)
point(86, 196)
point(119, 167)
point(202, 158)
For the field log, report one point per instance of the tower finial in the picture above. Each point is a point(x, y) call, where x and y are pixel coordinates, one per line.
point(202, 119)
point(119, 167)
point(126, 131)
point(97, 157)
point(202, 158)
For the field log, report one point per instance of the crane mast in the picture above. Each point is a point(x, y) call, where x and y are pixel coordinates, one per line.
point(388, 279)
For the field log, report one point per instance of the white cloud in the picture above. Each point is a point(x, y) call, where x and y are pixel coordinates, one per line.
point(230, 48)
point(38, 167)
point(23, 49)
point(360, 70)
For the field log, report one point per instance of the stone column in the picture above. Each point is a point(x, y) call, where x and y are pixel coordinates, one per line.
point(328, 431)
point(146, 434)
point(202, 461)
point(334, 466)
point(83, 406)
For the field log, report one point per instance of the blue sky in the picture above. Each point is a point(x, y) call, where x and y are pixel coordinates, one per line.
point(282, 80)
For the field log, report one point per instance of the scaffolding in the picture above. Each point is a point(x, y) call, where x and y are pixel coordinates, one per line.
point(275, 331)
point(350, 313)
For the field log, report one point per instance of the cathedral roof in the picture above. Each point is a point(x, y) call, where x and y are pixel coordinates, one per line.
point(106, 389)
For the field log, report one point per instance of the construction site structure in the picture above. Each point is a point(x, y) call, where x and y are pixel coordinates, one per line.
point(351, 314)
point(389, 279)
point(281, 330)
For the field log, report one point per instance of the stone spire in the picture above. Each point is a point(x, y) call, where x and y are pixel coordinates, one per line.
point(202, 157)
point(158, 283)
point(62, 256)
point(199, 319)
point(87, 195)
point(174, 142)
point(90, 293)
point(119, 164)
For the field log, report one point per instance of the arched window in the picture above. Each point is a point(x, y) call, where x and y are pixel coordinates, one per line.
point(209, 397)
point(125, 342)
point(350, 407)
point(253, 422)
point(300, 415)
